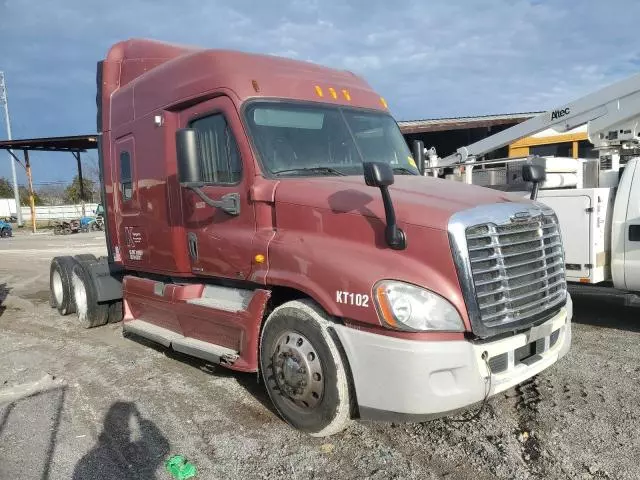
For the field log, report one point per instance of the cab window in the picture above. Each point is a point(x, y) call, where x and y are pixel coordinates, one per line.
point(218, 152)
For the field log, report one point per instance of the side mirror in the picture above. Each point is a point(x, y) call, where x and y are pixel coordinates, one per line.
point(187, 156)
point(534, 174)
point(189, 172)
point(418, 155)
point(379, 174)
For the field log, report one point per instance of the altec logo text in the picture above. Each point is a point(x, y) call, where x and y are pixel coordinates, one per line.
point(556, 114)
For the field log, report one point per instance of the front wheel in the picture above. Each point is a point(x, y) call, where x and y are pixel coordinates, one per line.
point(303, 370)
point(5, 232)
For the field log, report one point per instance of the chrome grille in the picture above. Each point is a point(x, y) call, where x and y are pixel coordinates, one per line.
point(517, 268)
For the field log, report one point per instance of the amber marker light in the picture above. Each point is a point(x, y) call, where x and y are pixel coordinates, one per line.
point(385, 308)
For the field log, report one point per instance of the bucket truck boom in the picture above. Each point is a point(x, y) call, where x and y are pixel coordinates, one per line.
point(612, 115)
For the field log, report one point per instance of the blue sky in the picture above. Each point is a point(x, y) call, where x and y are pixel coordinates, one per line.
point(428, 58)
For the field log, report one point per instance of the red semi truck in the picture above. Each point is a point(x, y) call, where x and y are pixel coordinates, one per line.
point(266, 214)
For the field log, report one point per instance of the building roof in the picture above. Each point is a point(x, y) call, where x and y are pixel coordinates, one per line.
point(457, 123)
point(77, 143)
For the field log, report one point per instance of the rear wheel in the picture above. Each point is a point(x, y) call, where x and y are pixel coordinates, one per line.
point(60, 287)
point(115, 312)
point(90, 312)
point(5, 232)
point(85, 257)
point(303, 369)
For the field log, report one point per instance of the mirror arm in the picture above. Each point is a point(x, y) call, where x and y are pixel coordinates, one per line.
point(394, 236)
point(534, 190)
point(229, 203)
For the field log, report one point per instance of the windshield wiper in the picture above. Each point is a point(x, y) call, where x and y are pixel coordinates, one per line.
point(330, 170)
point(403, 170)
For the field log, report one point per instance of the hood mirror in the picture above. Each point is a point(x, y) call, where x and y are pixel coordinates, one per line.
point(418, 155)
point(380, 174)
point(534, 174)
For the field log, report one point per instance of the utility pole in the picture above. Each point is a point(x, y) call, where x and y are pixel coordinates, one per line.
point(4, 100)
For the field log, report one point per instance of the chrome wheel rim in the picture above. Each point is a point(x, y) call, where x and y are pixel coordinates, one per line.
point(80, 296)
point(58, 291)
point(297, 371)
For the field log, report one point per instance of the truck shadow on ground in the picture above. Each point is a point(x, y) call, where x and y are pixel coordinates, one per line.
point(28, 432)
point(129, 446)
point(4, 293)
point(249, 381)
point(605, 313)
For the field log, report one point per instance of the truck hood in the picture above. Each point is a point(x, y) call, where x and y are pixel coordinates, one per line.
point(423, 201)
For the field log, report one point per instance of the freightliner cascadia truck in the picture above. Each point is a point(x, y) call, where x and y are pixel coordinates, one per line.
point(266, 214)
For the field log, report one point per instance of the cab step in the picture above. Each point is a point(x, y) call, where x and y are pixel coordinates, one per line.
point(179, 343)
point(224, 298)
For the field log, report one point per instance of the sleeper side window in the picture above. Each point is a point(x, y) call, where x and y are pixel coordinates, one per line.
point(126, 183)
point(220, 161)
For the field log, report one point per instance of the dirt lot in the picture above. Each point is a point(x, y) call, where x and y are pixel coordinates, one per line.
point(118, 408)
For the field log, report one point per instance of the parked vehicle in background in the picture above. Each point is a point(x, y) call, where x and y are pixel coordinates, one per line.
point(66, 227)
point(5, 229)
point(266, 214)
point(597, 200)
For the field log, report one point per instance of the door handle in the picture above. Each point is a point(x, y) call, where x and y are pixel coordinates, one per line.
point(229, 203)
point(193, 245)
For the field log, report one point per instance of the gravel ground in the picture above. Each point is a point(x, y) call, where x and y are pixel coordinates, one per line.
point(119, 407)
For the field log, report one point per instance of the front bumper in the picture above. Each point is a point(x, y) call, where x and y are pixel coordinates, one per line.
point(397, 379)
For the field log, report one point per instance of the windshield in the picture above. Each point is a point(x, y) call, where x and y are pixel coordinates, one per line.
point(294, 139)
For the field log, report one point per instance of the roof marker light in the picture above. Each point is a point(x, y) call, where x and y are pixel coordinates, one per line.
point(319, 91)
point(333, 93)
point(256, 87)
point(384, 102)
point(346, 95)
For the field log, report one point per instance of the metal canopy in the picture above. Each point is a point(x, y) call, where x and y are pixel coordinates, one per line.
point(458, 123)
point(73, 144)
point(78, 143)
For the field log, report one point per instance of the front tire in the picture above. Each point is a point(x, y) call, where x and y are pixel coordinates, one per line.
point(5, 232)
point(303, 370)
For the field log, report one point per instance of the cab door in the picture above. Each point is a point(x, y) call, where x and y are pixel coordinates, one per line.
point(219, 242)
point(132, 230)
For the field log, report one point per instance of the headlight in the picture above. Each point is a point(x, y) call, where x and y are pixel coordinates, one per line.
point(403, 306)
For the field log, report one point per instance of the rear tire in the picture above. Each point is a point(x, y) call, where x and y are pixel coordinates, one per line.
point(60, 287)
point(90, 313)
point(5, 232)
point(115, 312)
point(85, 257)
point(303, 370)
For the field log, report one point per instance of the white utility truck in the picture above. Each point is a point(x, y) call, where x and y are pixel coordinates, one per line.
point(597, 201)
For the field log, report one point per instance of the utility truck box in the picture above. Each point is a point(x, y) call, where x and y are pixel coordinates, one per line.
point(585, 223)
